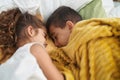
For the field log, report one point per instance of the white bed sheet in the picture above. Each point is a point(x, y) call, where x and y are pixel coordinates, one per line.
point(44, 7)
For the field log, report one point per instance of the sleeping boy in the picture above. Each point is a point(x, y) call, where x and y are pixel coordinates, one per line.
point(89, 48)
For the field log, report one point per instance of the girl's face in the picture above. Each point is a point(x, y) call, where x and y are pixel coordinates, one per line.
point(40, 36)
point(60, 36)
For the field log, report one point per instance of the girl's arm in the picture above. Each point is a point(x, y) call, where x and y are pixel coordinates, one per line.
point(45, 63)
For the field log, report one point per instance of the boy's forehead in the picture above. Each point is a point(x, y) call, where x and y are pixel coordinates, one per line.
point(52, 30)
point(53, 27)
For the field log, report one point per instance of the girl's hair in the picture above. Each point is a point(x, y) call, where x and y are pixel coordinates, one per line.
point(23, 22)
point(12, 29)
point(8, 21)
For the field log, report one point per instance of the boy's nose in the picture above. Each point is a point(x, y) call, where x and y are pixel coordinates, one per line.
point(57, 44)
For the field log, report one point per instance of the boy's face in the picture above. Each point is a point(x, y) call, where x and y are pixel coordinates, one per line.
point(59, 35)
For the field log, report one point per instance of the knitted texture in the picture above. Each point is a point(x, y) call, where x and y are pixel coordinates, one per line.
point(93, 51)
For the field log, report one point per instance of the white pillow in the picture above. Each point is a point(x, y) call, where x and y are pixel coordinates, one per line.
point(46, 7)
point(108, 5)
point(6, 5)
point(30, 6)
point(115, 12)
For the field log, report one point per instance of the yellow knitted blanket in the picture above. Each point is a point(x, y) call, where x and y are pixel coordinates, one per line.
point(93, 51)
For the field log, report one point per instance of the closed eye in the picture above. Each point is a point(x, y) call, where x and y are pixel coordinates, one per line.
point(55, 38)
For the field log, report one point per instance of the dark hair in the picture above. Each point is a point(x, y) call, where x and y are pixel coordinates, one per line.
point(59, 17)
point(8, 21)
point(24, 21)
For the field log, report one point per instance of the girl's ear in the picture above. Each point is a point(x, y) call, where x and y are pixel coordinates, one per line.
point(70, 24)
point(31, 31)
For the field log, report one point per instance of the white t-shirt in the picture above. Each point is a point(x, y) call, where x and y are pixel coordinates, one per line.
point(21, 66)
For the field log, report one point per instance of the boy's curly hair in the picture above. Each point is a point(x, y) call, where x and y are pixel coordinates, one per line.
point(8, 21)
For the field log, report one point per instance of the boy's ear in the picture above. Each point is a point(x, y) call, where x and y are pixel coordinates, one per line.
point(30, 30)
point(70, 24)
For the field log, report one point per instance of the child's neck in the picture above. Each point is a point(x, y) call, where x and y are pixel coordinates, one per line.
point(22, 42)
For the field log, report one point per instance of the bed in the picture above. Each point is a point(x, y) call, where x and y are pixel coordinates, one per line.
point(86, 8)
